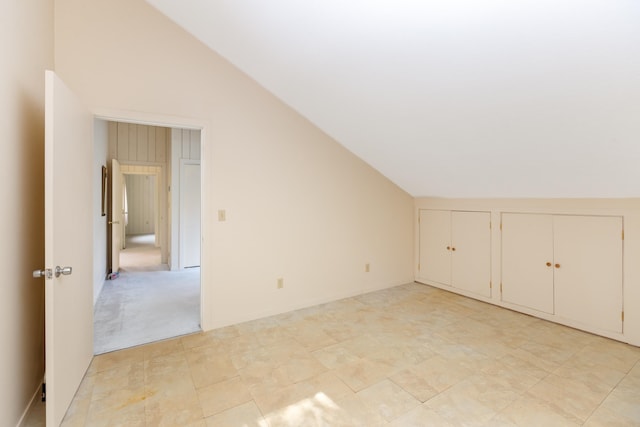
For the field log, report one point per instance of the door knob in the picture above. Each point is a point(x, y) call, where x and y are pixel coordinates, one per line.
point(557, 265)
point(448, 248)
point(453, 249)
point(48, 273)
point(66, 271)
point(548, 264)
point(45, 272)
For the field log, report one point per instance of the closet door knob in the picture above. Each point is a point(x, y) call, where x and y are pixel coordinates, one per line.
point(448, 248)
point(453, 249)
point(557, 265)
point(548, 264)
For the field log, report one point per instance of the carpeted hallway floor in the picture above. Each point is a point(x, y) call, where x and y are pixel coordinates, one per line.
point(147, 302)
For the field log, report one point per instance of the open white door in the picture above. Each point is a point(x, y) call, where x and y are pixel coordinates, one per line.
point(68, 245)
point(116, 221)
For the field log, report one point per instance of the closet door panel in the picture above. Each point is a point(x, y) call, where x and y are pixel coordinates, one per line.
point(527, 261)
point(435, 237)
point(588, 270)
point(471, 252)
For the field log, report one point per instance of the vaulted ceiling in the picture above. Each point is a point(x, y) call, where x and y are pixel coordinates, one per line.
point(452, 98)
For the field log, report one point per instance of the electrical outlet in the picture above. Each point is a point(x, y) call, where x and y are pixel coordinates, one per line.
point(280, 283)
point(222, 215)
point(367, 268)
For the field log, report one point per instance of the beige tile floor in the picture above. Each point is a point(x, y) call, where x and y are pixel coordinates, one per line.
point(408, 356)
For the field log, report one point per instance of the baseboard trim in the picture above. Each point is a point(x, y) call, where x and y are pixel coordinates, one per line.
point(34, 399)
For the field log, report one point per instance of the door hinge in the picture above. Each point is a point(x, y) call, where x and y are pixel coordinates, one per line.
point(500, 287)
point(418, 267)
point(44, 392)
point(622, 234)
point(489, 225)
point(622, 315)
point(500, 225)
point(490, 285)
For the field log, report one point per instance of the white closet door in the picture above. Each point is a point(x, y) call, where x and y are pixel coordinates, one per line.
point(588, 277)
point(527, 261)
point(189, 214)
point(471, 252)
point(435, 238)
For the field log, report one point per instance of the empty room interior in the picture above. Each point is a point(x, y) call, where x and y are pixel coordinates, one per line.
point(385, 213)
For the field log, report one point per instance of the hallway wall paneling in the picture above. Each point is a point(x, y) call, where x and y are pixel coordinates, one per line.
point(141, 204)
point(143, 150)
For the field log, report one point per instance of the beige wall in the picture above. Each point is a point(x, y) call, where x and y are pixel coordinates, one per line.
point(299, 206)
point(629, 209)
point(26, 43)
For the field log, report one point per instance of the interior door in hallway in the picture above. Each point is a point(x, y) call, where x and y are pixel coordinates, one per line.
point(68, 243)
point(189, 213)
point(117, 221)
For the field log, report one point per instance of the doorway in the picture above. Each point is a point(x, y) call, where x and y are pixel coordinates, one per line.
point(141, 248)
point(149, 296)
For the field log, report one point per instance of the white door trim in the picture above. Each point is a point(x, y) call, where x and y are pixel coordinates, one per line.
point(205, 126)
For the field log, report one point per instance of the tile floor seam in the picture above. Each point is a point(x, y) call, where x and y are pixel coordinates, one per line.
point(592, 411)
point(600, 405)
point(235, 407)
point(264, 417)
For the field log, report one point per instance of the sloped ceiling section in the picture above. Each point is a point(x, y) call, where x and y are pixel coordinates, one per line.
point(451, 98)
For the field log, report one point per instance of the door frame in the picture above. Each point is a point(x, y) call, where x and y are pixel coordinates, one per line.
point(158, 171)
point(115, 219)
point(204, 126)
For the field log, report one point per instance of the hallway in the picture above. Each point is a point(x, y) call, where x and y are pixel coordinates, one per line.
point(147, 302)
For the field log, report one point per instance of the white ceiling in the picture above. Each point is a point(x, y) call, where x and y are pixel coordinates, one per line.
point(452, 98)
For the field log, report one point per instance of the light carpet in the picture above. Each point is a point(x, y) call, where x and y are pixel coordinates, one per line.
point(146, 303)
